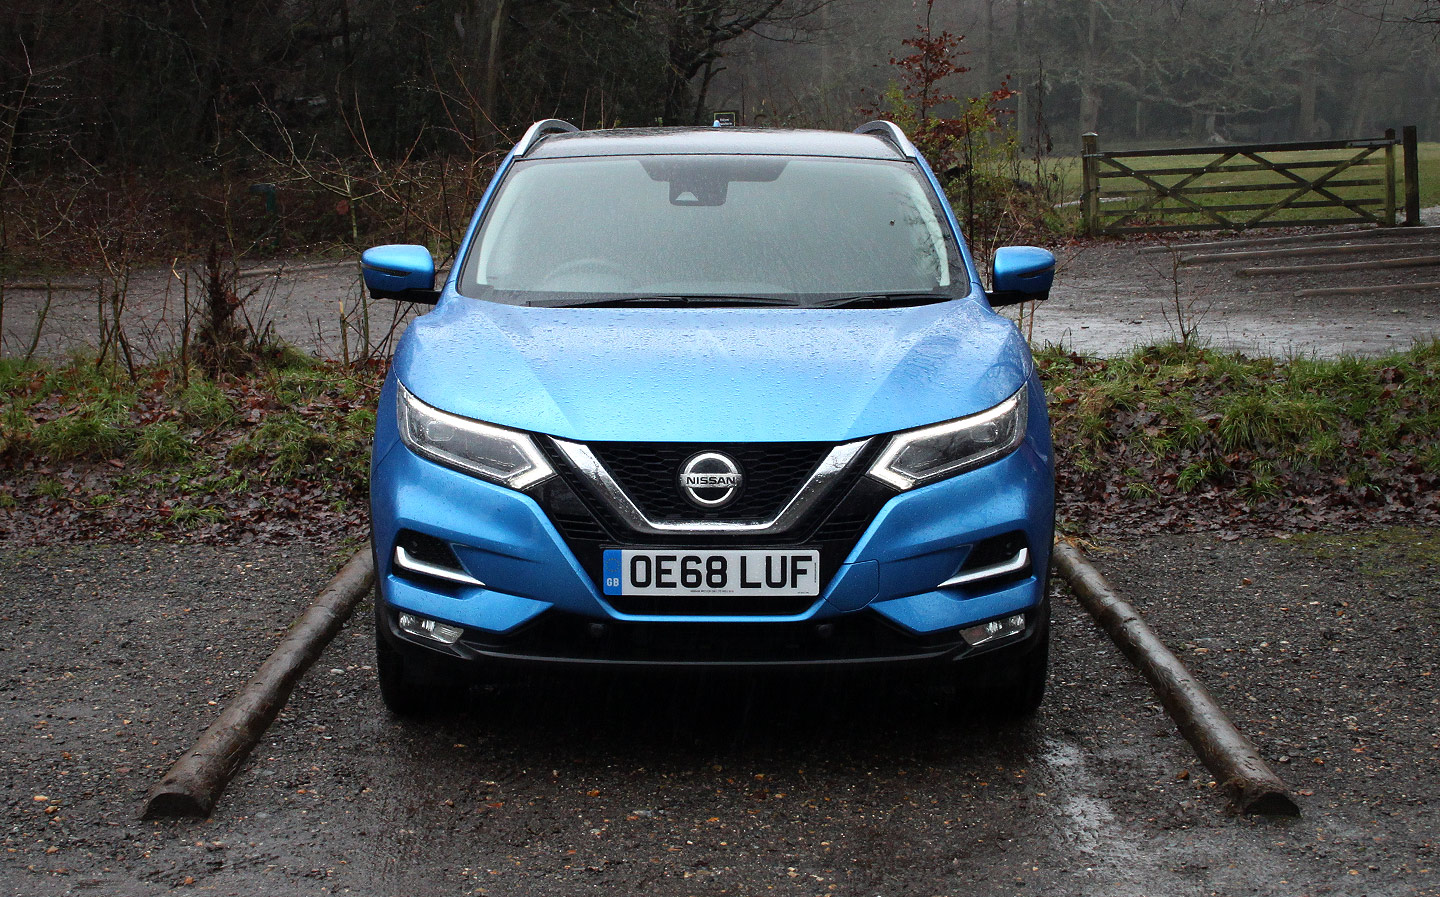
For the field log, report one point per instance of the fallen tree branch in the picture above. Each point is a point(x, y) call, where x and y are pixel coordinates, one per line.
point(1225, 751)
point(1357, 249)
point(1419, 261)
point(1330, 236)
point(1370, 288)
point(281, 270)
point(43, 286)
point(194, 783)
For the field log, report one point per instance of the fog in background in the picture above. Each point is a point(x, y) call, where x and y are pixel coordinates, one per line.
point(1136, 71)
point(153, 83)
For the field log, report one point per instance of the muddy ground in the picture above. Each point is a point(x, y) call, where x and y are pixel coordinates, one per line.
point(1325, 650)
point(1108, 298)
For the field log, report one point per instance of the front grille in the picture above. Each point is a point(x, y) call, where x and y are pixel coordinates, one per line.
point(709, 605)
point(649, 472)
point(833, 526)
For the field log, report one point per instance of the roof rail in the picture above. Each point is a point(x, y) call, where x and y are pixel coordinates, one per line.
point(891, 133)
point(539, 130)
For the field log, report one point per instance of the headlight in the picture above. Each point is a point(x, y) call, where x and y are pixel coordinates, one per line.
point(507, 457)
point(922, 456)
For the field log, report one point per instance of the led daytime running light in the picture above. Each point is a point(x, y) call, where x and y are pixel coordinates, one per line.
point(979, 438)
point(507, 457)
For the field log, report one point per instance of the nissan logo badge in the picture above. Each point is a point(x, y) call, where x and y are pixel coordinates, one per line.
point(710, 480)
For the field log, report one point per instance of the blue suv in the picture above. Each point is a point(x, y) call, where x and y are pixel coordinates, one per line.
point(712, 397)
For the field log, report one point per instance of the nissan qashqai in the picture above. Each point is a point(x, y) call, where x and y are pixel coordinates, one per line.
point(712, 397)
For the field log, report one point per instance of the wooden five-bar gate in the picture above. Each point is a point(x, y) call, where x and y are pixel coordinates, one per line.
point(1245, 186)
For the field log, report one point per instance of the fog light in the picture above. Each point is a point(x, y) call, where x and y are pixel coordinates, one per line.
point(423, 628)
point(995, 630)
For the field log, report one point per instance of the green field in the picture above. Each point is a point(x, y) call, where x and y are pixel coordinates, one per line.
point(1067, 170)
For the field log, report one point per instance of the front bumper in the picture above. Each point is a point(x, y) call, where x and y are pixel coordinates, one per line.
point(538, 603)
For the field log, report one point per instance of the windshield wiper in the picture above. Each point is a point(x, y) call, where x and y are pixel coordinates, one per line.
point(884, 300)
point(661, 301)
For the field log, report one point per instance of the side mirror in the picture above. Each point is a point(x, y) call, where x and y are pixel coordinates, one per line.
point(1021, 274)
point(400, 271)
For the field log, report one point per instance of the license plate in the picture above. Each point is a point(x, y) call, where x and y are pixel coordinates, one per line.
point(759, 572)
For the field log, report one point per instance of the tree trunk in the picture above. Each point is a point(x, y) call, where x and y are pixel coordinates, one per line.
point(1305, 120)
point(492, 64)
point(1089, 90)
point(710, 70)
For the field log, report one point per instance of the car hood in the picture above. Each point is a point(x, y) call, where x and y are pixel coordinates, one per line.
point(711, 375)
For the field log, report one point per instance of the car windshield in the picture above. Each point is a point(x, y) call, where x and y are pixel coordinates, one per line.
point(712, 230)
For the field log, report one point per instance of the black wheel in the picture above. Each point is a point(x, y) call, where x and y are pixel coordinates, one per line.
point(404, 687)
point(1010, 683)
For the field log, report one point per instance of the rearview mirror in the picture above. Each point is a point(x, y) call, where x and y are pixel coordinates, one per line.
point(400, 271)
point(1021, 274)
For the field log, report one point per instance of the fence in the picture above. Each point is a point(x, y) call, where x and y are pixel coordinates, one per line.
point(1129, 191)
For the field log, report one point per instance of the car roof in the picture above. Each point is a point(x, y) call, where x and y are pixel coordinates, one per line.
point(716, 141)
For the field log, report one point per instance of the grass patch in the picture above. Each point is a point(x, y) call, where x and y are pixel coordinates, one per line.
point(93, 430)
point(1190, 431)
point(278, 450)
point(1165, 437)
point(1382, 553)
point(161, 444)
point(205, 404)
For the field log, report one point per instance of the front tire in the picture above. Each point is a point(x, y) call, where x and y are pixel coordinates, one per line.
point(404, 688)
point(1010, 683)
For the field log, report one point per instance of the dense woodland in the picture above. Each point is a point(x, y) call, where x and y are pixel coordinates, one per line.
point(144, 82)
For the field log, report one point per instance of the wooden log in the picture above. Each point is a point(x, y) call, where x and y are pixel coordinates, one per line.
point(282, 270)
point(1296, 251)
point(41, 286)
point(1370, 288)
point(1419, 261)
point(1354, 233)
point(1225, 751)
point(195, 782)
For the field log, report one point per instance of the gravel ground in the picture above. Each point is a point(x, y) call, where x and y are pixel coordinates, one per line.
point(1323, 648)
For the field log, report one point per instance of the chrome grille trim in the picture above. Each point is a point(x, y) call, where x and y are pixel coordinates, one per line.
point(604, 486)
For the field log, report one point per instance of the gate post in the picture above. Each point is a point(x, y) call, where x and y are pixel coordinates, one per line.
point(1390, 177)
point(1090, 182)
point(1412, 177)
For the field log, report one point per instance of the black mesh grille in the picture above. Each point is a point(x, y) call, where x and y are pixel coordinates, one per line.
point(833, 526)
point(428, 549)
point(649, 472)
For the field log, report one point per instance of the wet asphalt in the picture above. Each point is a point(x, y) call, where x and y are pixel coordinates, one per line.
point(120, 655)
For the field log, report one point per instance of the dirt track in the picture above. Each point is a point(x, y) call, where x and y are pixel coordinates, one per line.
point(1109, 297)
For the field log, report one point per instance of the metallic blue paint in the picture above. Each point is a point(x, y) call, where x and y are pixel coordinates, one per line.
point(504, 539)
point(1028, 270)
point(713, 375)
point(396, 267)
